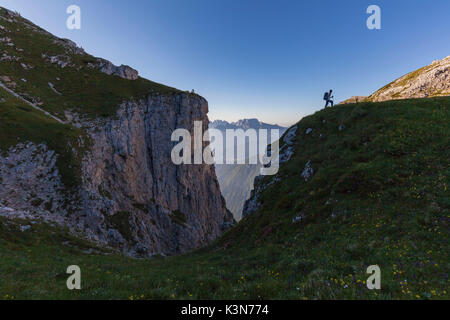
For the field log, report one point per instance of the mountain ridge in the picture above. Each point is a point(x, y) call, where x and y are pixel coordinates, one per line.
point(427, 82)
point(376, 194)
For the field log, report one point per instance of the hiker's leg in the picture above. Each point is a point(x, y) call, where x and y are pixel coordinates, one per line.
point(332, 103)
point(326, 104)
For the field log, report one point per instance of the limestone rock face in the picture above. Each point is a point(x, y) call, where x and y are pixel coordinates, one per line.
point(430, 81)
point(129, 175)
point(132, 196)
point(125, 72)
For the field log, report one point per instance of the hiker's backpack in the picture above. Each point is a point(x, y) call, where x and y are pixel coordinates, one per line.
point(326, 96)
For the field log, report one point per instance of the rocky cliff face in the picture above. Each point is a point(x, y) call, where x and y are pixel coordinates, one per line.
point(128, 172)
point(430, 81)
point(124, 72)
point(132, 197)
point(100, 165)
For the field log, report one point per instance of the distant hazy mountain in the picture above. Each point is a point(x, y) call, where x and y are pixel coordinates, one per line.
point(244, 124)
point(236, 184)
point(236, 180)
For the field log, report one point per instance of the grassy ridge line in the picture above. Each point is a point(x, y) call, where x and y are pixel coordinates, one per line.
point(82, 87)
point(379, 196)
point(377, 148)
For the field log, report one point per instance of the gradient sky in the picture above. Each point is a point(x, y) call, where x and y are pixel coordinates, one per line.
point(272, 60)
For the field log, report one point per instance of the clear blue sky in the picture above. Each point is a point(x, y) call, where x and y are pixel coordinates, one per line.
point(256, 58)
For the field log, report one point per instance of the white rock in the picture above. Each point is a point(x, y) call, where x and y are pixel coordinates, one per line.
point(297, 219)
point(308, 172)
point(25, 228)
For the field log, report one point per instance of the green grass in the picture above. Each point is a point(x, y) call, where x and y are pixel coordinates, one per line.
point(178, 217)
point(121, 222)
point(379, 196)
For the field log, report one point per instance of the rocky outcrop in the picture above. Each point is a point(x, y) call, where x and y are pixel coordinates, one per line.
point(124, 72)
point(430, 81)
point(308, 172)
point(30, 182)
point(70, 46)
point(261, 183)
point(253, 203)
point(287, 147)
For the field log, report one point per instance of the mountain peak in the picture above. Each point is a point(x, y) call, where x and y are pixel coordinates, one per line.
point(248, 123)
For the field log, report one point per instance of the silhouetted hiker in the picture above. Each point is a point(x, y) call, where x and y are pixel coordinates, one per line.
point(327, 97)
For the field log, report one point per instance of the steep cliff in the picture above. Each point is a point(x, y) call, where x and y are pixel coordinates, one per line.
point(87, 145)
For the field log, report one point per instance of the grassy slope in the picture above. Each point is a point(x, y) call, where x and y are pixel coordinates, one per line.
point(87, 91)
point(385, 178)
